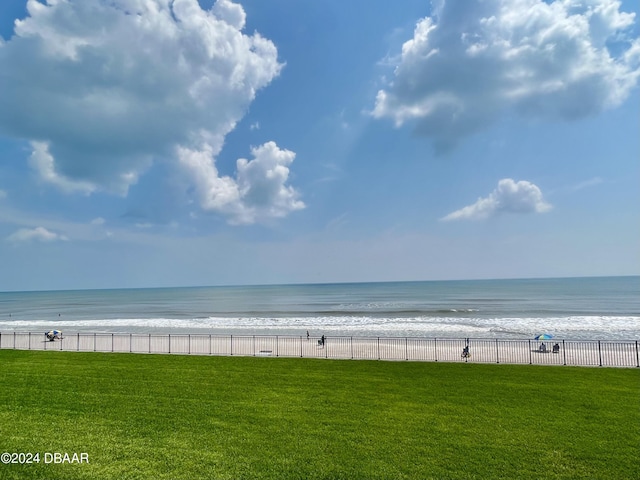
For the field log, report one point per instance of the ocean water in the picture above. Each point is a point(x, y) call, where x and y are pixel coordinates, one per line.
point(568, 308)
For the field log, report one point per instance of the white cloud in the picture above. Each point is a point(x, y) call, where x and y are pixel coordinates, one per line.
point(102, 89)
point(42, 161)
point(473, 60)
point(39, 234)
point(98, 221)
point(258, 193)
point(510, 197)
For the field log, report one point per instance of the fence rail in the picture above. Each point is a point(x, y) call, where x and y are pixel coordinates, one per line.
point(603, 353)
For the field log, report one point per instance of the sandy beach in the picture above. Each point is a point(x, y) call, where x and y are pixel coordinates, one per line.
point(572, 353)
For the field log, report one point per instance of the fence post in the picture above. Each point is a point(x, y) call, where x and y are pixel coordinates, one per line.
point(29, 340)
point(351, 344)
point(254, 350)
point(277, 347)
point(530, 359)
point(78, 344)
point(599, 353)
point(378, 348)
point(94, 342)
point(169, 343)
point(637, 356)
point(406, 348)
point(130, 342)
point(497, 352)
point(14, 340)
point(189, 344)
point(112, 343)
point(435, 348)
point(209, 344)
point(564, 353)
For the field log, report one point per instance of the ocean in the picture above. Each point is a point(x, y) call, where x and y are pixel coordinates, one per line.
point(604, 308)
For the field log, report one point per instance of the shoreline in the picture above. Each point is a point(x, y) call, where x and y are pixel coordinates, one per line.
point(605, 353)
point(392, 329)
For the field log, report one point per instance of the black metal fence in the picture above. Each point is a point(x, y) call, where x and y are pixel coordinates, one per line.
point(603, 353)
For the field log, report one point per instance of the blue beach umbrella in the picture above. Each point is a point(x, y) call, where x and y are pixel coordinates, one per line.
point(543, 336)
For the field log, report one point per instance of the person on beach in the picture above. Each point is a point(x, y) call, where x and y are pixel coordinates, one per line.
point(307, 335)
point(465, 350)
point(556, 348)
point(543, 348)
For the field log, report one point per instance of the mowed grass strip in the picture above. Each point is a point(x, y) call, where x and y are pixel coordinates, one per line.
point(182, 417)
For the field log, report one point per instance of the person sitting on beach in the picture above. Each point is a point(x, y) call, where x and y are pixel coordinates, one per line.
point(465, 352)
point(556, 348)
point(543, 348)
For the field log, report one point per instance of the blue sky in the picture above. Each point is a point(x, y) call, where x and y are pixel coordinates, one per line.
point(169, 143)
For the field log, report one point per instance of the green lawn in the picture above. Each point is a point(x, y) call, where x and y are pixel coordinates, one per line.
point(174, 417)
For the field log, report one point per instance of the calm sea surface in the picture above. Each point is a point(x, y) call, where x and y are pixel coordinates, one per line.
point(574, 308)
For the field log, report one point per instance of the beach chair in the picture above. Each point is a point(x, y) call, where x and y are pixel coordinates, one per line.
point(52, 335)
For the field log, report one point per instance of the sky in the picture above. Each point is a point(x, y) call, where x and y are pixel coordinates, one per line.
point(150, 143)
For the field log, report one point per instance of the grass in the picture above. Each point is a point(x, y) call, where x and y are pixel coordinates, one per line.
point(175, 417)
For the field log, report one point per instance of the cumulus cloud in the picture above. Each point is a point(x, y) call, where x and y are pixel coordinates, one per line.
point(38, 234)
point(510, 197)
point(258, 192)
point(101, 89)
point(43, 162)
point(472, 61)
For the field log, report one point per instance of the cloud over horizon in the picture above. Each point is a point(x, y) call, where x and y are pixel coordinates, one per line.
point(471, 62)
point(101, 90)
point(38, 234)
point(259, 191)
point(509, 197)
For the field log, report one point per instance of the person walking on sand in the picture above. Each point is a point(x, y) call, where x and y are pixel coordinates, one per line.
point(307, 335)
